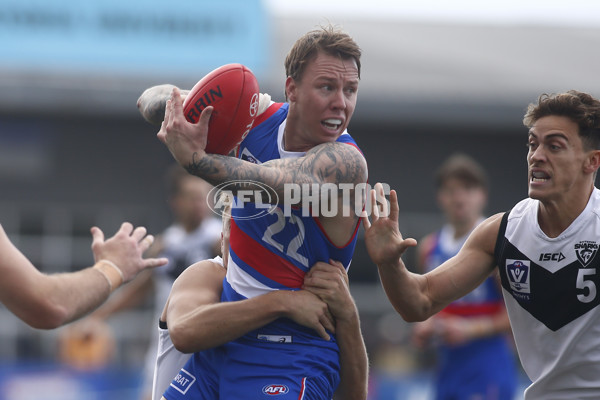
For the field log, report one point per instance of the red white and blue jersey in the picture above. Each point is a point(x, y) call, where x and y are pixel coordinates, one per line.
point(276, 250)
point(270, 252)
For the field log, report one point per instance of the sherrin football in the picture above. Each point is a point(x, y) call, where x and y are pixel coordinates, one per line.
point(232, 90)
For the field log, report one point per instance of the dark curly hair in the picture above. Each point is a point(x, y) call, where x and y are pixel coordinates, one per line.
point(581, 108)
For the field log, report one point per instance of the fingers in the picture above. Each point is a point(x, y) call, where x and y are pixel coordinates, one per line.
point(328, 321)
point(342, 270)
point(205, 115)
point(139, 233)
point(374, 207)
point(146, 242)
point(365, 219)
point(176, 103)
point(394, 208)
point(381, 200)
point(162, 133)
point(322, 332)
point(97, 235)
point(126, 228)
point(155, 262)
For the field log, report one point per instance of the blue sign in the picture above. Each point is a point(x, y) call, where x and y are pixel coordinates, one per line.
point(143, 37)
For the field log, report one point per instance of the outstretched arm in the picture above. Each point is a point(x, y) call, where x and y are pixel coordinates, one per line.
point(195, 313)
point(330, 283)
point(326, 163)
point(417, 297)
point(48, 301)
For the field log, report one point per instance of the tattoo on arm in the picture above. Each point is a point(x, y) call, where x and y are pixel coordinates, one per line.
point(327, 163)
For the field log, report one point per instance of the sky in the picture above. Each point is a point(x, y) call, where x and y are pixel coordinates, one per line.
point(552, 12)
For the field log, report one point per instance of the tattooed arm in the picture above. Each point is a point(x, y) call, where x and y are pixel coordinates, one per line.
point(332, 162)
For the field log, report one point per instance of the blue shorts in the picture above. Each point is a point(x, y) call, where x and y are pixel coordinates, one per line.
point(259, 374)
point(483, 369)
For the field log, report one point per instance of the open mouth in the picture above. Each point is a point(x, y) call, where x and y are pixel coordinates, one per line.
point(332, 123)
point(539, 176)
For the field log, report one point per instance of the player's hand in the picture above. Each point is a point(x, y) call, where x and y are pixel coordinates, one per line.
point(125, 249)
point(308, 310)
point(185, 140)
point(383, 239)
point(330, 283)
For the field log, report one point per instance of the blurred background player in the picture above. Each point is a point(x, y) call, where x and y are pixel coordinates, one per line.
point(474, 357)
point(48, 301)
point(193, 236)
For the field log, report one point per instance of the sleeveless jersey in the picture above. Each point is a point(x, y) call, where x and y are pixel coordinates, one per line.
point(275, 250)
point(551, 292)
point(480, 367)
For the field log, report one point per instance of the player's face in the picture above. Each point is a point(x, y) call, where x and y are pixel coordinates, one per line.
point(462, 204)
point(557, 160)
point(322, 102)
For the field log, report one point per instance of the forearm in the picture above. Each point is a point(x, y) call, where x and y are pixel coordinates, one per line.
point(205, 327)
point(65, 297)
point(354, 364)
point(407, 292)
point(327, 163)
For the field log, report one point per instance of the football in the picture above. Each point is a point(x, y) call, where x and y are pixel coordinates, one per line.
point(232, 90)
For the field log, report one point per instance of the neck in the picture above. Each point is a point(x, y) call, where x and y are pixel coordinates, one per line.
point(555, 217)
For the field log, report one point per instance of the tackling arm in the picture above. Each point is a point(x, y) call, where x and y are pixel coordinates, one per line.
point(195, 313)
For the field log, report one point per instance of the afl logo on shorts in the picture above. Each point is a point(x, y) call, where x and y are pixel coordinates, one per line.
point(274, 390)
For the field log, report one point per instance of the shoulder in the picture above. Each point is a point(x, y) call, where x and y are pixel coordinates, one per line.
point(268, 109)
point(484, 236)
point(201, 273)
point(346, 161)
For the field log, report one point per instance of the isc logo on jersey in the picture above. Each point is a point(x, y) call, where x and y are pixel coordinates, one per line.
point(518, 277)
point(275, 390)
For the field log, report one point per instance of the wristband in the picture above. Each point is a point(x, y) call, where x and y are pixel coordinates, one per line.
point(112, 273)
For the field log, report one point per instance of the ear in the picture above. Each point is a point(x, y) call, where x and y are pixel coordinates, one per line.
point(290, 89)
point(592, 162)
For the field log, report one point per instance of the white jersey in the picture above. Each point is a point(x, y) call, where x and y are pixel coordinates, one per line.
point(169, 360)
point(552, 291)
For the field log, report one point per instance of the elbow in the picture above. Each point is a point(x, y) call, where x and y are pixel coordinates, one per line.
point(179, 339)
point(184, 340)
point(411, 318)
point(47, 317)
point(413, 315)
